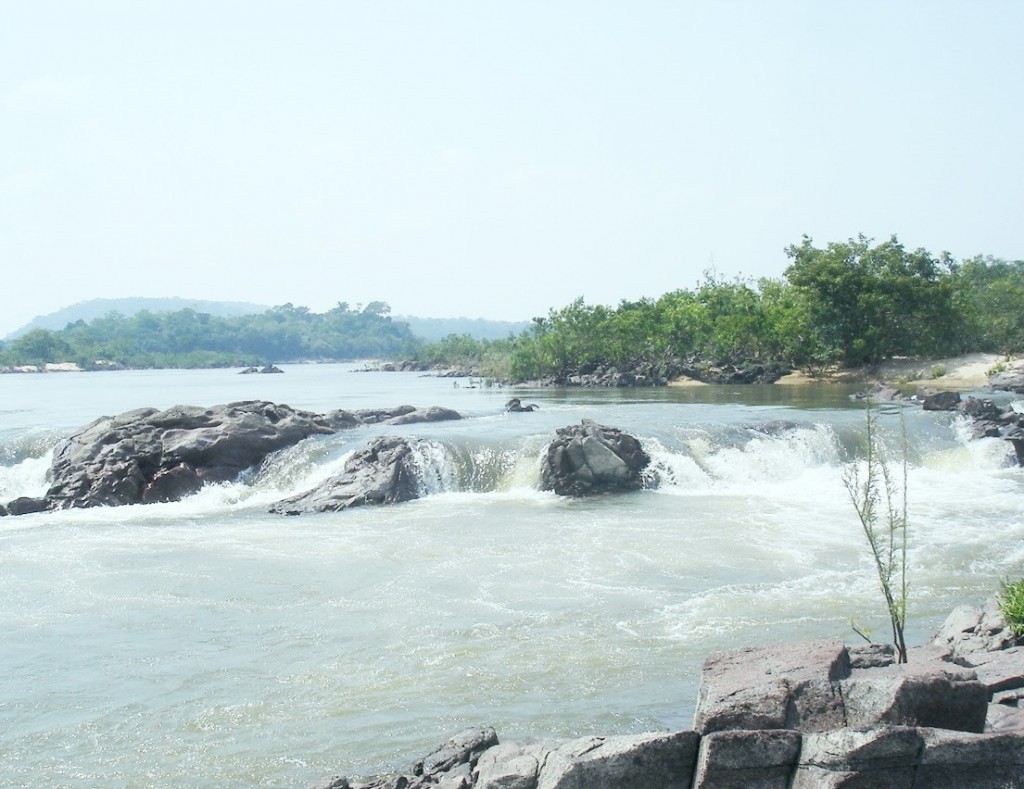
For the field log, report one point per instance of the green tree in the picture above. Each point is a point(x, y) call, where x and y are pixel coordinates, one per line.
point(867, 303)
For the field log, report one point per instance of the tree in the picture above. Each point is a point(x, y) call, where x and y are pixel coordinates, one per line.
point(867, 304)
point(39, 346)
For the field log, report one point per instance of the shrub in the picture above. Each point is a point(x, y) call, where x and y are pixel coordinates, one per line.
point(938, 371)
point(1011, 604)
point(880, 500)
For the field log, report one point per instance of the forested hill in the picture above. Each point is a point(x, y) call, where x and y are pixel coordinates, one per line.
point(97, 308)
point(187, 338)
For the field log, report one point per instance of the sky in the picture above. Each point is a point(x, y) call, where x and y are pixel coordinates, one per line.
point(485, 159)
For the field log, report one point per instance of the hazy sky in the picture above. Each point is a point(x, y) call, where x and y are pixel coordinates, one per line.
point(490, 159)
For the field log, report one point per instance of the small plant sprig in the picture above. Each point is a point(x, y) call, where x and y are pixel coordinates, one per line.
point(1011, 605)
point(880, 501)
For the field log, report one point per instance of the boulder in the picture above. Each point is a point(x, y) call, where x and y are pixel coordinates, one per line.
point(402, 415)
point(382, 472)
point(1011, 380)
point(980, 408)
point(373, 416)
point(779, 686)
point(941, 401)
point(639, 761)
point(883, 756)
point(956, 759)
point(999, 671)
point(902, 697)
point(810, 686)
point(969, 630)
point(147, 455)
point(515, 406)
point(511, 765)
point(465, 747)
point(590, 458)
point(741, 759)
point(432, 414)
point(23, 505)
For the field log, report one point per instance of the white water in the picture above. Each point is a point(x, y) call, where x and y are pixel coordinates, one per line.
point(207, 642)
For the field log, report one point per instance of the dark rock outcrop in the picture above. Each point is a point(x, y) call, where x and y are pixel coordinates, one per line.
point(515, 406)
point(941, 401)
point(589, 459)
point(147, 455)
point(23, 505)
point(990, 421)
point(383, 472)
point(741, 372)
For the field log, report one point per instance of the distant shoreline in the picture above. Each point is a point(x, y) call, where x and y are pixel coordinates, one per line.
point(966, 372)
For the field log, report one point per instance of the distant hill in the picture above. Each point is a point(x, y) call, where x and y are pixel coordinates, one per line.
point(433, 329)
point(430, 329)
point(97, 308)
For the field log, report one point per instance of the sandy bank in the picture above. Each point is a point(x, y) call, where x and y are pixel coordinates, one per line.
point(970, 371)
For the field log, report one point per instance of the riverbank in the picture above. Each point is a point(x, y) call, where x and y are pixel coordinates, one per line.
point(966, 372)
point(800, 714)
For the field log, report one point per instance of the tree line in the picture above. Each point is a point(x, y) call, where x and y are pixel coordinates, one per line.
point(848, 303)
point(190, 339)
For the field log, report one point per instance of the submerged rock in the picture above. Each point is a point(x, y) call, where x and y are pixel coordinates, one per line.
point(589, 458)
point(382, 472)
point(515, 406)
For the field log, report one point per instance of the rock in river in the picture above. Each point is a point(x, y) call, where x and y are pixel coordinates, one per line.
point(590, 458)
point(383, 472)
point(147, 455)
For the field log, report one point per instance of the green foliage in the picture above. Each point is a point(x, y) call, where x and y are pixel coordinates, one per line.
point(868, 303)
point(880, 501)
point(989, 293)
point(489, 358)
point(187, 338)
point(1011, 604)
point(938, 370)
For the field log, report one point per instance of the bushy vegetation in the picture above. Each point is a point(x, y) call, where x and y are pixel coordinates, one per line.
point(1011, 604)
point(191, 339)
point(847, 303)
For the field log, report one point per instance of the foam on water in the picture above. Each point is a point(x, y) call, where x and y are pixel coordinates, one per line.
point(207, 641)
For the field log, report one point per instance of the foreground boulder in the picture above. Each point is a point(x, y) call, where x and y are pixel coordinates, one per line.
point(383, 472)
point(589, 458)
point(812, 686)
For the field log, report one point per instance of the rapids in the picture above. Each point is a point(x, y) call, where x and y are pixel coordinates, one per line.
point(207, 642)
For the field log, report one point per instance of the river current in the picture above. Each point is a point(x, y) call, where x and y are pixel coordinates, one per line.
point(209, 643)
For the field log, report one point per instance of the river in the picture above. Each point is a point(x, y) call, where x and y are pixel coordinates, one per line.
point(210, 643)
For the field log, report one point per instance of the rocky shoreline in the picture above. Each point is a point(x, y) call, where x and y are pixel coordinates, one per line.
point(969, 372)
point(792, 716)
